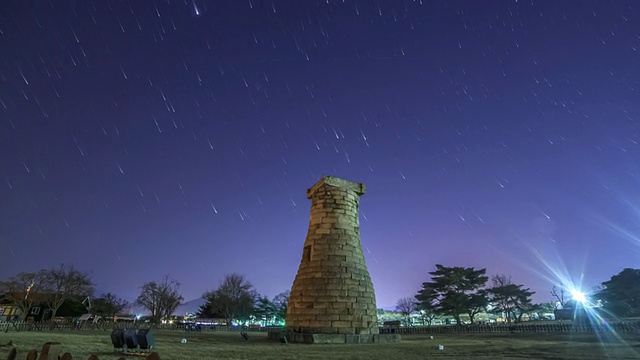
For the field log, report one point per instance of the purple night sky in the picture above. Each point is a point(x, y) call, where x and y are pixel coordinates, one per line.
point(144, 138)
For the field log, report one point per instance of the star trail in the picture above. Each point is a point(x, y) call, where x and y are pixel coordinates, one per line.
point(144, 138)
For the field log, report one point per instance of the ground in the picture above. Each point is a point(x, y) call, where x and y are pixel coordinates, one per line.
point(230, 345)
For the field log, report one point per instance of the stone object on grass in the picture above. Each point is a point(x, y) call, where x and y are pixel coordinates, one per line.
point(13, 354)
point(32, 355)
point(50, 351)
point(153, 356)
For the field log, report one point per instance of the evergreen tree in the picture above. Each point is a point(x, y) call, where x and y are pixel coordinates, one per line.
point(621, 293)
point(510, 299)
point(455, 291)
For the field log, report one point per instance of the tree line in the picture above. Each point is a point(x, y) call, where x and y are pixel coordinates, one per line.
point(65, 286)
point(235, 299)
point(451, 291)
point(466, 291)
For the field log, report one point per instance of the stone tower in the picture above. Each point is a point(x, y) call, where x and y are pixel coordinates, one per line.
point(332, 292)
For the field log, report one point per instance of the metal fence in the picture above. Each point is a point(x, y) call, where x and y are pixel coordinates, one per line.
point(6, 326)
point(620, 327)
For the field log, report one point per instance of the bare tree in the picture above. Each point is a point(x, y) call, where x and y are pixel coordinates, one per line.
point(559, 295)
point(24, 290)
point(109, 305)
point(64, 283)
point(234, 298)
point(406, 306)
point(161, 299)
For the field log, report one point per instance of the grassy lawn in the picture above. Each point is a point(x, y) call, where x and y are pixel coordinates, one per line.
point(229, 345)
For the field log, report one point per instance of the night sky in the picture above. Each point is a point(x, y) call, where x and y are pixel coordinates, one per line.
point(144, 138)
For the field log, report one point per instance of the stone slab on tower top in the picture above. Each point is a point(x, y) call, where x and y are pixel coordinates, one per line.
point(358, 188)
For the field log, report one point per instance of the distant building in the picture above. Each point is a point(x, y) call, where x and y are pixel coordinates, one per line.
point(35, 313)
point(9, 312)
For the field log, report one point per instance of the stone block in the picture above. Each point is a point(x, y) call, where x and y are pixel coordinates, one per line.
point(347, 299)
point(331, 317)
point(338, 293)
point(347, 253)
point(330, 219)
point(386, 338)
point(316, 311)
point(320, 305)
point(337, 311)
point(341, 324)
point(346, 330)
point(275, 334)
point(337, 258)
point(344, 225)
point(328, 338)
point(327, 298)
point(358, 338)
point(299, 338)
point(320, 323)
point(352, 338)
point(340, 305)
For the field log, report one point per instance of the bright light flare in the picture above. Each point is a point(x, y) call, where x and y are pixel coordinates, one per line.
point(585, 311)
point(578, 296)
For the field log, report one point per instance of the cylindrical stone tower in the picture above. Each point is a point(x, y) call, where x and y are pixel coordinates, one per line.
point(332, 292)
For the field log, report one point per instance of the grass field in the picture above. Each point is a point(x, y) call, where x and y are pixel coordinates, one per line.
point(229, 345)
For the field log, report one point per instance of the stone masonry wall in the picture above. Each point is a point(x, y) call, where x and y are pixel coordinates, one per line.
point(332, 292)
